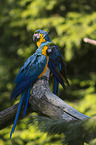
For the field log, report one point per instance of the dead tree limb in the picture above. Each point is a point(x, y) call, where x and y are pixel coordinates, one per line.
point(42, 101)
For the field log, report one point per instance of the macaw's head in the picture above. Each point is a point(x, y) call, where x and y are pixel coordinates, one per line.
point(40, 36)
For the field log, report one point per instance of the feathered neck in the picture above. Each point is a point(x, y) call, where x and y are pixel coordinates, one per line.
point(42, 39)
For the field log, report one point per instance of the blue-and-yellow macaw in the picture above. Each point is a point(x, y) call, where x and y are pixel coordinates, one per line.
point(56, 62)
point(34, 68)
point(47, 55)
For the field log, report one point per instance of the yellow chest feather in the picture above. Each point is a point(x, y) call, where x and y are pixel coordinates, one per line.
point(44, 53)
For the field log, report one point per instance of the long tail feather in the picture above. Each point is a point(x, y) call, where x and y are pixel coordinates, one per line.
point(17, 115)
point(27, 99)
point(56, 87)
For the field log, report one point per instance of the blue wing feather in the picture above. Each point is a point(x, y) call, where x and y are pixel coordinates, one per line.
point(24, 84)
point(29, 73)
point(26, 70)
point(52, 67)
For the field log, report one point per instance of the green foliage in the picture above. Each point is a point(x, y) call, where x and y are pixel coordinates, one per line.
point(67, 23)
point(27, 134)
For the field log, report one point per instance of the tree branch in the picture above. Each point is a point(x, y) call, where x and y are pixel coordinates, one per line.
point(42, 101)
point(7, 116)
point(87, 40)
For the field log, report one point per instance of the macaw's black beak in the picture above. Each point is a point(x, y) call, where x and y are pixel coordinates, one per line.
point(36, 37)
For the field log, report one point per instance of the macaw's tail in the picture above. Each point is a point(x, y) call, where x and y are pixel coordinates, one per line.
point(23, 101)
point(56, 82)
point(26, 100)
point(18, 111)
point(56, 86)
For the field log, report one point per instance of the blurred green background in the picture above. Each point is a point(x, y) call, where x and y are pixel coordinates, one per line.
point(67, 23)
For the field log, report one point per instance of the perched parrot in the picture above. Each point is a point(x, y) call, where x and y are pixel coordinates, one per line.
point(47, 55)
point(56, 62)
point(34, 68)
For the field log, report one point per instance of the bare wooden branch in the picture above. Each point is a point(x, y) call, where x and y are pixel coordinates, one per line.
point(91, 41)
point(43, 101)
point(7, 116)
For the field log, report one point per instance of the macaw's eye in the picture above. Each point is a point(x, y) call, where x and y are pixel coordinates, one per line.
point(49, 51)
point(36, 37)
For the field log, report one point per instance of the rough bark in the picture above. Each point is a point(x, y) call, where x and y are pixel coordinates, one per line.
point(42, 101)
